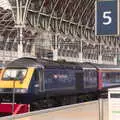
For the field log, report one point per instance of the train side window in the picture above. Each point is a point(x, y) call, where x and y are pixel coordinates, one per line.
point(118, 77)
point(110, 79)
point(90, 79)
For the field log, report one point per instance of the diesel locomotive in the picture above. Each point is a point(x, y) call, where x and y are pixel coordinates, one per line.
point(44, 83)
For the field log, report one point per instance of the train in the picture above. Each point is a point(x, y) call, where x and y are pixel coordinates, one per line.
point(37, 83)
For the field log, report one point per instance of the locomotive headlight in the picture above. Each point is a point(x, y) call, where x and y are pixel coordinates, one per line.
point(23, 90)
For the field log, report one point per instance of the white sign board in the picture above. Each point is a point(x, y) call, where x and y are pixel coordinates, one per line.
point(114, 104)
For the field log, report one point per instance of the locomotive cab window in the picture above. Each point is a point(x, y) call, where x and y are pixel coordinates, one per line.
point(14, 74)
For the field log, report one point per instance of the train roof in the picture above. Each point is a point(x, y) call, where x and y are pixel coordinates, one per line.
point(24, 62)
point(34, 62)
point(89, 65)
point(107, 66)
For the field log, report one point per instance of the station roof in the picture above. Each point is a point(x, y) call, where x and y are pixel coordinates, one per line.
point(79, 12)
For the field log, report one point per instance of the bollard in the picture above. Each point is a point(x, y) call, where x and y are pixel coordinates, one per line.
point(13, 97)
point(100, 102)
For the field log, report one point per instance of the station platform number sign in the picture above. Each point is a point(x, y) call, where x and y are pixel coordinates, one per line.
point(107, 17)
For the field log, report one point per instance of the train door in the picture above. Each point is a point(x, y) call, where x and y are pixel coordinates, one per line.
point(79, 80)
point(90, 79)
point(41, 79)
point(38, 82)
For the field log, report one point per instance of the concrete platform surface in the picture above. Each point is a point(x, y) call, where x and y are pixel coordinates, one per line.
point(83, 111)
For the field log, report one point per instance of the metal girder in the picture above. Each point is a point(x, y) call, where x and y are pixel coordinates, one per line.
point(87, 13)
point(79, 22)
point(74, 13)
point(52, 12)
point(67, 2)
point(92, 15)
point(40, 11)
point(28, 2)
point(8, 39)
point(61, 19)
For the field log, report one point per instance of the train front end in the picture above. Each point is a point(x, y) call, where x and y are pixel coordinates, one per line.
point(14, 89)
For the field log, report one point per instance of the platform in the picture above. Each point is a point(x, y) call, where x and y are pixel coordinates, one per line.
point(83, 111)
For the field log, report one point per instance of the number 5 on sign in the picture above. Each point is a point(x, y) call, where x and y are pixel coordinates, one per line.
point(107, 17)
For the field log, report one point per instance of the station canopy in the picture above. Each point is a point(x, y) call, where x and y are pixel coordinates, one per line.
point(78, 12)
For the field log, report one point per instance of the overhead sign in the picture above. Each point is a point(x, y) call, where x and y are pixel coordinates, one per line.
point(107, 17)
